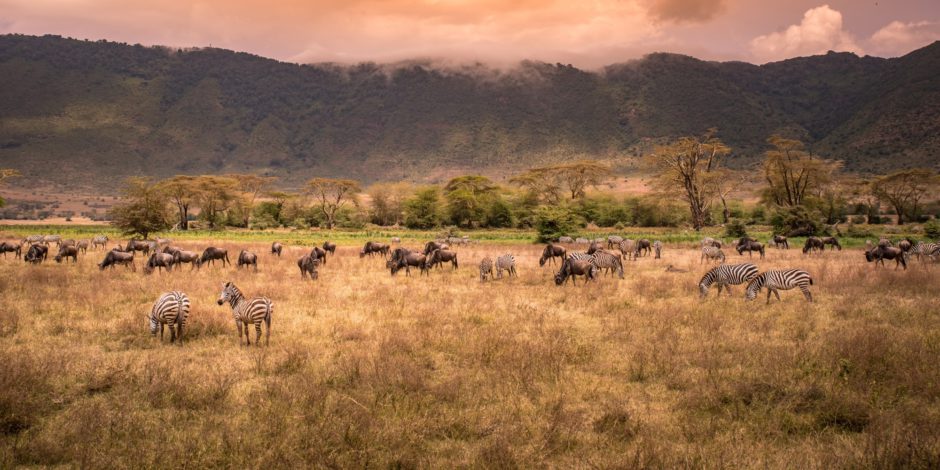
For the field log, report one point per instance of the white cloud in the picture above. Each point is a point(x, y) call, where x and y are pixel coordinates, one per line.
point(821, 30)
point(899, 38)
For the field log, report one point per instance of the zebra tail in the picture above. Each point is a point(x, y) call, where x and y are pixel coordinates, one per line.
point(810, 281)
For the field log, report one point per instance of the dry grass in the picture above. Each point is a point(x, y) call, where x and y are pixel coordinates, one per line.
point(369, 370)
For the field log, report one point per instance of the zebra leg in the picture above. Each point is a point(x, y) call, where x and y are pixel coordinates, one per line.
point(239, 325)
point(258, 332)
point(769, 291)
point(267, 330)
point(172, 333)
point(161, 332)
point(807, 293)
point(720, 287)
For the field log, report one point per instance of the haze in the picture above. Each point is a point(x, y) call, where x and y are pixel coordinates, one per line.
point(586, 34)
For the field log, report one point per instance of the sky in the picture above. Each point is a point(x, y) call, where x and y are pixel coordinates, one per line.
point(585, 33)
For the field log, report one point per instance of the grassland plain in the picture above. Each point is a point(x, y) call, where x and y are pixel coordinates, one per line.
point(366, 369)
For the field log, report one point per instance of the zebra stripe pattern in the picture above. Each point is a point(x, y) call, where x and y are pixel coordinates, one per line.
point(486, 268)
point(658, 249)
point(171, 309)
point(628, 249)
point(725, 276)
point(254, 310)
point(609, 261)
point(929, 250)
point(776, 281)
point(712, 253)
point(505, 262)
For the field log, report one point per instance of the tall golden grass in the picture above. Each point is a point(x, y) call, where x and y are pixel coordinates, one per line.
point(366, 369)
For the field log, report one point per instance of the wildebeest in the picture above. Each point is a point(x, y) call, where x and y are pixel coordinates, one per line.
point(813, 244)
point(6, 247)
point(138, 245)
point(308, 265)
point(439, 257)
point(318, 253)
point(183, 256)
point(780, 241)
point(593, 248)
point(572, 267)
point(329, 247)
point(881, 253)
point(67, 242)
point(408, 260)
point(67, 251)
point(833, 241)
point(212, 253)
point(115, 257)
point(551, 252)
point(433, 245)
point(159, 261)
point(36, 254)
point(643, 246)
point(906, 245)
point(99, 240)
point(751, 246)
point(171, 250)
point(371, 248)
point(276, 248)
point(247, 258)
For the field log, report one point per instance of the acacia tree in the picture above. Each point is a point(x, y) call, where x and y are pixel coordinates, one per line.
point(904, 190)
point(726, 182)
point(144, 210)
point(468, 197)
point(792, 173)
point(688, 168)
point(548, 182)
point(542, 183)
point(182, 190)
point(215, 195)
point(251, 186)
point(331, 195)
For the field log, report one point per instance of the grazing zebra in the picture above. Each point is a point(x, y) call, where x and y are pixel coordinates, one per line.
point(582, 241)
point(712, 253)
point(709, 241)
point(779, 280)
point(658, 249)
point(609, 261)
point(613, 241)
point(171, 310)
point(627, 249)
point(99, 240)
point(505, 262)
point(486, 269)
point(565, 240)
point(31, 240)
point(276, 248)
point(725, 276)
point(780, 241)
point(254, 310)
point(929, 250)
point(52, 238)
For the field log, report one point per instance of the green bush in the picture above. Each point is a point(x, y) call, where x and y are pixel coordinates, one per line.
point(932, 229)
point(552, 222)
point(795, 219)
point(735, 229)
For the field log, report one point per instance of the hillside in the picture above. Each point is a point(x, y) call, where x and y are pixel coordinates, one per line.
point(86, 114)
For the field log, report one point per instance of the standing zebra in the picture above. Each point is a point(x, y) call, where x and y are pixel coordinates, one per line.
point(712, 253)
point(929, 250)
point(725, 276)
point(609, 261)
point(171, 309)
point(628, 249)
point(486, 268)
point(658, 249)
point(245, 311)
point(613, 241)
point(99, 240)
point(505, 262)
point(775, 281)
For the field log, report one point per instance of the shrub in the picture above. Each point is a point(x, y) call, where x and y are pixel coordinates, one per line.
point(932, 229)
point(735, 229)
point(553, 222)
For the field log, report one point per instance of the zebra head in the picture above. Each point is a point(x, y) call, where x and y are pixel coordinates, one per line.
point(753, 288)
point(229, 292)
point(153, 325)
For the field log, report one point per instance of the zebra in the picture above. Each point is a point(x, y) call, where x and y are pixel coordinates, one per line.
point(627, 249)
point(658, 249)
point(725, 276)
point(778, 280)
point(82, 245)
point(709, 241)
point(613, 241)
point(606, 260)
point(99, 240)
point(582, 241)
point(31, 240)
point(929, 250)
point(486, 268)
point(565, 240)
point(505, 262)
point(254, 310)
point(171, 309)
point(46, 240)
point(712, 253)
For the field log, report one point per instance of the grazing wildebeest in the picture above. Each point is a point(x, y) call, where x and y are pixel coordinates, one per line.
point(813, 244)
point(433, 245)
point(36, 254)
point(308, 265)
point(99, 240)
point(171, 250)
point(115, 257)
point(276, 248)
point(399, 253)
point(643, 246)
point(162, 241)
point(318, 253)
point(6, 247)
point(67, 251)
point(329, 247)
point(750, 247)
point(551, 252)
point(780, 241)
point(885, 241)
point(565, 240)
point(439, 257)
point(880, 253)
point(833, 241)
point(159, 261)
point(575, 267)
point(593, 248)
point(138, 245)
point(212, 253)
point(247, 258)
point(408, 260)
point(371, 248)
point(183, 256)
